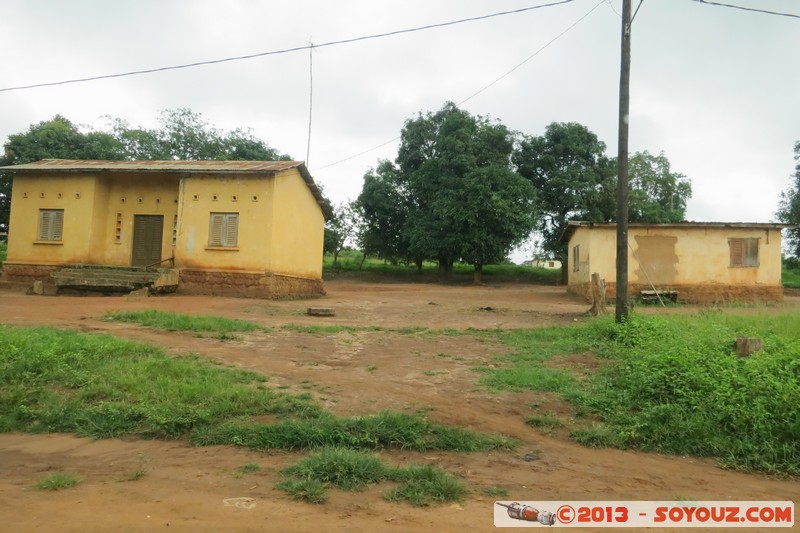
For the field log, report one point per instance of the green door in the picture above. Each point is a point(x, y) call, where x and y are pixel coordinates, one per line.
point(147, 233)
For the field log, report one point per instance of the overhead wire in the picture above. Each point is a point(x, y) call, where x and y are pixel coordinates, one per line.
point(286, 50)
point(757, 10)
point(473, 95)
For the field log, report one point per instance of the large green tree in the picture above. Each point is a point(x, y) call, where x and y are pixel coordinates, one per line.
point(573, 177)
point(341, 229)
point(57, 138)
point(452, 194)
point(383, 208)
point(185, 134)
point(657, 194)
point(789, 207)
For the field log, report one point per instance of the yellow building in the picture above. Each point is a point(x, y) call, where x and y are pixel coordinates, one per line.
point(252, 228)
point(697, 261)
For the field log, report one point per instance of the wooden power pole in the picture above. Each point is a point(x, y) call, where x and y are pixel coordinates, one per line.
point(622, 161)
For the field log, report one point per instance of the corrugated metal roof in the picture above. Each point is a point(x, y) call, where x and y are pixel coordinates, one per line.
point(182, 167)
point(573, 225)
point(155, 166)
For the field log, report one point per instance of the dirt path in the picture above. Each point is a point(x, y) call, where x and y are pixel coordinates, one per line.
point(146, 485)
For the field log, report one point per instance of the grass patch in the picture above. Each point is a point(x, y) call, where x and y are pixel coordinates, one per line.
point(3, 251)
point(790, 277)
point(304, 490)
point(153, 318)
point(547, 422)
point(674, 385)
point(385, 430)
point(101, 386)
point(57, 481)
point(495, 492)
point(351, 470)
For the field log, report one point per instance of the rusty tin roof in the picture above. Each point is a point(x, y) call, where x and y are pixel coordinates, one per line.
point(176, 166)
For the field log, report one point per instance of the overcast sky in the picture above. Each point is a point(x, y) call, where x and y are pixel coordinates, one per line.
point(717, 89)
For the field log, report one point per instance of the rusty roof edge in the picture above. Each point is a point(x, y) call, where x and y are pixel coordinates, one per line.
point(184, 167)
point(573, 225)
point(324, 204)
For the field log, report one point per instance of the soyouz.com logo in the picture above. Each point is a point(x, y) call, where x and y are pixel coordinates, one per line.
point(758, 514)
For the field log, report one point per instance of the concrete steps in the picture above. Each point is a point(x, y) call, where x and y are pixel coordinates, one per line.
point(116, 279)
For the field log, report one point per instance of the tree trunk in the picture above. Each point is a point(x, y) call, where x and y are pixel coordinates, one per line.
point(598, 295)
point(445, 269)
point(745, 346)
point(477, 277)
point(418, 262)
point(363, 258)
point(336, 260)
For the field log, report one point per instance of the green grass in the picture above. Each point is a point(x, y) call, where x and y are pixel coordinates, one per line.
point(350, 262)
point(790, 277)
point(673, 384)
point(154, 318)
point(57, 481)
point(385, 430)
point(100, 386)
point(351, 470)
point(3, 251)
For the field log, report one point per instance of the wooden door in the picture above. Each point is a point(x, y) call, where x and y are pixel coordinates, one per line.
point(148, 231)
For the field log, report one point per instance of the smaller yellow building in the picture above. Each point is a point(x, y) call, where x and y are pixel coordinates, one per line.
point(252, 228)
point(699, 261)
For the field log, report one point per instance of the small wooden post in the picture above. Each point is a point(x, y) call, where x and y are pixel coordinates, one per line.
point(745, 346)
point(598, 295)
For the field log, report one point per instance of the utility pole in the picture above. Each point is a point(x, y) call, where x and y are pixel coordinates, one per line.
point(622, 162)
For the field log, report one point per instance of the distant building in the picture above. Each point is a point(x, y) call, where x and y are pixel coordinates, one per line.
point(698, 261)
point(252, 228)
point(546, 263)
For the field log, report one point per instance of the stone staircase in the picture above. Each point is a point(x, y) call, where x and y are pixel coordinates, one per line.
point(102, 278)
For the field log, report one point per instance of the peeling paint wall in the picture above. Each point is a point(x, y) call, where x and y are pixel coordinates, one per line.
point(672, 257)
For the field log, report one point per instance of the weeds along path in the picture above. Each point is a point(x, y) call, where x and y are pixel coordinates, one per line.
point(390, 346)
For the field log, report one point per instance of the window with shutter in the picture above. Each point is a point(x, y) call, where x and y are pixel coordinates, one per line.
point(743, 252)
point(223, 230)
point(51, 224)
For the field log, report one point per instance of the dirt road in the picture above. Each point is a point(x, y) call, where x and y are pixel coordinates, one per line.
point(132, 485)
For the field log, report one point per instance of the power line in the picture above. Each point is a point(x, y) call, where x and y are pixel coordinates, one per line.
point(286, 50)
point(748, 9)
point(537, 52)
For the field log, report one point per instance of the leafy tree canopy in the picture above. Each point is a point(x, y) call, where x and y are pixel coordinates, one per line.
point(451, 195)
point(789, 206)
point(572, 176)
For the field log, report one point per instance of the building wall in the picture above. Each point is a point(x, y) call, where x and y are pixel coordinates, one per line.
point(251, 197)
point(689, 260)
point(298, 231)
point(118, 199)
point(583, 273)
point(75, 195)
point(280, 228)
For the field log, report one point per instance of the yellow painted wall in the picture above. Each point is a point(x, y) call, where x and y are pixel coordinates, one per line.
point(75, 195)
point(298, 231)
point(280, 230)
point(251, 197)
point(131, 194)
point(583, 274)
point(702, 255)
